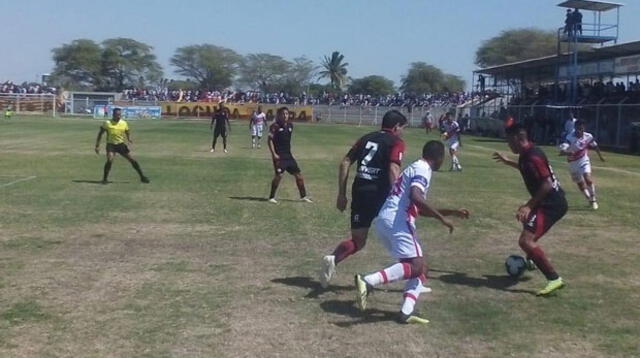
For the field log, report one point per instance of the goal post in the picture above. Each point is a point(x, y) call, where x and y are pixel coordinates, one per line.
point(28, 103)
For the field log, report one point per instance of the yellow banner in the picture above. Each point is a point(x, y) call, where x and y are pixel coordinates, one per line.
point(236, 110)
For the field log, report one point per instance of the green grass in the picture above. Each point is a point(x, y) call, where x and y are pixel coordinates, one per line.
point(196, 264)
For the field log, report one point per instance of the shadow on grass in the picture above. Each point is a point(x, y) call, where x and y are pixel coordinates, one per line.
point(255, 198)
point(349, 309)
point(98, 182)
point(309, 283)
point(501, 283)
point(482, 140)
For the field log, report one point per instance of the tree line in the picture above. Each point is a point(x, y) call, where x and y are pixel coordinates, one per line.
point(120, 63)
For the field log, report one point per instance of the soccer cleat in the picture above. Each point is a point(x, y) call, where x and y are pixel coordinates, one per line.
point(551, 286)
point(362, 291)
point(226, 151)
point(594, 205)
point(411, 318)
point(272, 200)
point(306, 199)
point(259, 146)
point(212, 150)
point(145, 180)
point(424, 289)
point(531, 266)
point(328, 270)
point(104, 182)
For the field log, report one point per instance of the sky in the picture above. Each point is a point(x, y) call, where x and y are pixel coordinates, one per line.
point(377, 37)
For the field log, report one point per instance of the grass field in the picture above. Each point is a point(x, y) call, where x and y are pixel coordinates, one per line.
point(196, 264)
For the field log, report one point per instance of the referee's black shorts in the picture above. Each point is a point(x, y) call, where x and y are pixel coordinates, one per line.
point(119, 148)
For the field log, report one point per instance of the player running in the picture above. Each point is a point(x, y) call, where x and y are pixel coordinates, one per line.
point(379, 157)
point(452, 136)
point(280, 147)
point(396, 228)
point(546, 206)
point(256, 126)
point(117, 129)
point(577, 151)
point(220, 119)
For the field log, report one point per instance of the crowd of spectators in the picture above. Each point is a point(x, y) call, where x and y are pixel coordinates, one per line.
point(587, 93)
point(25, 88)
point(325, 98)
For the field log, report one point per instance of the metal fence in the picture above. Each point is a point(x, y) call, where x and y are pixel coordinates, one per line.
point(613, 125)
point(372, 115)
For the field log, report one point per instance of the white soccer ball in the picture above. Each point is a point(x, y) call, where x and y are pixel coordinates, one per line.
point(563, 146)
point(515, 266)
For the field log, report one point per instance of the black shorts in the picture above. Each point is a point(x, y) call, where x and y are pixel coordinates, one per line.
point(219, 132)
point(542, 218)
point(119, 148)
point(288, 165)
point(364, 208)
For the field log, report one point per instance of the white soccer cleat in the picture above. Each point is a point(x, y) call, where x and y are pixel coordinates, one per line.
point(212, 150)
point(328, 270)
point(226, 151)
point(306, 199)
point(424, 289)
point(594, 205)
point(273, 201)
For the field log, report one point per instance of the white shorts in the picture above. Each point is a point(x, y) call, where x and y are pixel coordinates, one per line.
point(578, 168)
point(256, 130)
point(453, 144)
point(401, 241)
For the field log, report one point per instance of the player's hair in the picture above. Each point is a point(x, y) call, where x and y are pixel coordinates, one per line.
point(578, 123)
point(117, 109)
point(393, 117)
point(516, 130)
point(433, 149)
point(281, 110)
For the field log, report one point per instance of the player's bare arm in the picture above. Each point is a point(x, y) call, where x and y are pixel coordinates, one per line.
point(128, 134)
point(274, 155)
point(343, 177)
point(228, 125)
point(461, 213)
point(501, 158)
point(394, 172)
point(417, 198)
point(100, 132)
point(523, 212)
point(597, 149)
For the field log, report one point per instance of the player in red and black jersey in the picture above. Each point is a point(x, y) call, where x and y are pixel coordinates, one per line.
point(379, 157)
point(546, 206)
point(280, 147)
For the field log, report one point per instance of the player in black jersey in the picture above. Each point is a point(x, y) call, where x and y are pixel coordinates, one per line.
point(546, 206)
point(220, 120)
point(379, 157)
point(280, 147)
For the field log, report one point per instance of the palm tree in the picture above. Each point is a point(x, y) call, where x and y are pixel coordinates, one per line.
point(334, 69)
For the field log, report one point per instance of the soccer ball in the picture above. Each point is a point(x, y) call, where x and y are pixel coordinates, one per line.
point(563, 146)
point(515, 266)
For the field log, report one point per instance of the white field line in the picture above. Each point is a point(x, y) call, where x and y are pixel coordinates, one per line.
point(559, 162)
point(18, 181)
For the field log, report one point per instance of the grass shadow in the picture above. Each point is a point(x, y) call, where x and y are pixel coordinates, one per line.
point(501, 283)
point(97, 181)
point(309, 283)
point(348, 308)
point(255, 198)
point(483, 140)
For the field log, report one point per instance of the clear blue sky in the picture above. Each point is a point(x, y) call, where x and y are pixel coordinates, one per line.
point(376, 37)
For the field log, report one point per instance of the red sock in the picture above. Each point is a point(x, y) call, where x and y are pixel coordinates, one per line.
point(540, 259)
point(345, 249)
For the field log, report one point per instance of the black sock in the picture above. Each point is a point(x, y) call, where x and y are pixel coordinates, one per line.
point(136, 166)
point(274, 187)
point(107, 168)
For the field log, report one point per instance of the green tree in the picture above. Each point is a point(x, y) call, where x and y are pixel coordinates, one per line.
point(127, 62)
point(335, 70)
point(372, 85)
point(423, 78)
point(78, 65)
point(516, 45)
point(213, 67)
point(263, 71)
point(298, 79)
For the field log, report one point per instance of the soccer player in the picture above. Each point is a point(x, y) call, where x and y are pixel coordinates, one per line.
point(546, 206)
point(280, 147)
point(222, 127)
point(396, 229)
point(256, 125)
point(379, 157)
point(452, 136)
point(117, 129)
point(428, 122)
point(579, 142)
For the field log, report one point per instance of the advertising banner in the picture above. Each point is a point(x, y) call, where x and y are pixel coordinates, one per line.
point(128, 112)
point(236, 110)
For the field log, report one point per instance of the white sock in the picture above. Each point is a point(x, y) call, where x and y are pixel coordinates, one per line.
point(586, 193)
point(411, 293)
point(392, 273)
point(592, 191)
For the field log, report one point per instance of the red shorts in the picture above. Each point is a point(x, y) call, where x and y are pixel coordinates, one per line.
point(542, 218)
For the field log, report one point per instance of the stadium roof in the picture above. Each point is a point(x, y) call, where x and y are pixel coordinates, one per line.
point(546, 65)
point(590, 5)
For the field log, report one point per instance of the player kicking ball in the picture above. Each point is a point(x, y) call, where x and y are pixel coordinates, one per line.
point(379, 157)
point(280, 147)
point(577, 151)
point(396, 228)
point(546, 206)
point(117, 130)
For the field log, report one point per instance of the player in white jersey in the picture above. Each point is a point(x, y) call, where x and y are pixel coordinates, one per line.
point(396, 229)
point(452, 136)
point(256, 125)
point(576, 149)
